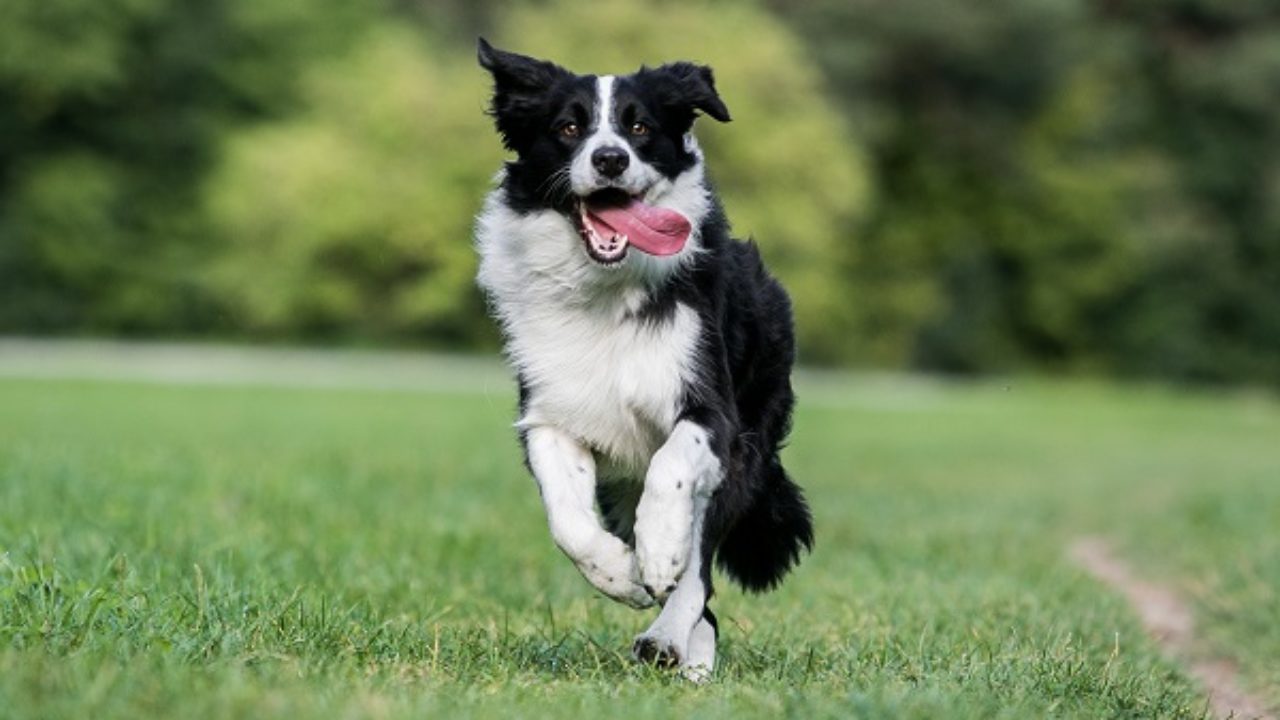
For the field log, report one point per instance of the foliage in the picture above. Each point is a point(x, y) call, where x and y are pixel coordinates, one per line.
point(1063, 185)
point(109, 115)
point(970, 187)
point(1209, 305)
point(353, 215)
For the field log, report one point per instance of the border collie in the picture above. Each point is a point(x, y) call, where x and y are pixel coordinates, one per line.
point(653, 351)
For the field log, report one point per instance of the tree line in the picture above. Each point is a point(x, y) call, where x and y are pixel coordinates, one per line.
point(994, 186)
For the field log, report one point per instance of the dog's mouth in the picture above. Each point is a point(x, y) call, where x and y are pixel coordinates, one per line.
point(610, 221)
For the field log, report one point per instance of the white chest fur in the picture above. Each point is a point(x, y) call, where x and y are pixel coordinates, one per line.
point(618, 386)
point(593, 369)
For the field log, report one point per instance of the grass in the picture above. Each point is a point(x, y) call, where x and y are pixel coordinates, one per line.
point(216, 552)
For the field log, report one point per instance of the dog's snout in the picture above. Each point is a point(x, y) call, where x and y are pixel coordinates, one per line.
point(610, 161)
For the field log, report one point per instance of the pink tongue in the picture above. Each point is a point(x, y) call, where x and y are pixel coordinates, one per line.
point(655, 230)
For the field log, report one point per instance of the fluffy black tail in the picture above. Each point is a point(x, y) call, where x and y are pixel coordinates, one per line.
point(767, 540)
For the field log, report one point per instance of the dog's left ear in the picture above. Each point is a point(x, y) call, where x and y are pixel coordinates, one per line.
point(693, 87)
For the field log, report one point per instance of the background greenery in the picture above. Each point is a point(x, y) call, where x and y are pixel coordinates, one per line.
point(974, 186)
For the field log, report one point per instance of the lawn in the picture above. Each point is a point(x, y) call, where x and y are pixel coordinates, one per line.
point(238, 550)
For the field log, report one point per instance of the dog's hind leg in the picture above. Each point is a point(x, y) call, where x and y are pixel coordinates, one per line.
point(702, 648)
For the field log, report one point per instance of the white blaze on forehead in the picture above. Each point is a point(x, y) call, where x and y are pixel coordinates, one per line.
point(604, 105)
point(582, 173)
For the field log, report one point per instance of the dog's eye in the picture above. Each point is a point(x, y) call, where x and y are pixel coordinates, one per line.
point(570, 130)
point(639, 128)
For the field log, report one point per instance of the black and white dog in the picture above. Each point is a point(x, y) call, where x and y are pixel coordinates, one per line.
point(653, 352)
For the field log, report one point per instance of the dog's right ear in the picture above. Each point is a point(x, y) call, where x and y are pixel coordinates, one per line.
point(515, 72)
point(519, 82)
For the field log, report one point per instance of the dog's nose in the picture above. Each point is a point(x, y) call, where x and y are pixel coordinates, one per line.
point(610, 161)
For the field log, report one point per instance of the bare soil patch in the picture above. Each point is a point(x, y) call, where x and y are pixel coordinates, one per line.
point(1168, 619)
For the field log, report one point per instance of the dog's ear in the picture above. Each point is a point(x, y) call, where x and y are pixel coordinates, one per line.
point(688, 87)
point(519, 83)
point(514, 72)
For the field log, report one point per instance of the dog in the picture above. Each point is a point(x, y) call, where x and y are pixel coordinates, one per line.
point(652, 351)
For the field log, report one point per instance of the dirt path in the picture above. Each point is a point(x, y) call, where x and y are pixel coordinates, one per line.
point(1168, 619)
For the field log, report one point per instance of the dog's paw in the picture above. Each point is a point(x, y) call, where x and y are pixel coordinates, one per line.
point(652, 649)
point(660, 575)
point(631, 594)
point(700, 659)
point(667, 644)
point(612, 570)
point(664, 530)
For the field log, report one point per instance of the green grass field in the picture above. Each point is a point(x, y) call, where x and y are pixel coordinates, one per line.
point(236, 551)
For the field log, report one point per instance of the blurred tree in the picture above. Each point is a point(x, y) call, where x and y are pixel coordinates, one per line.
point(352, 218)
point(109, 115)
point(1209, 306)
point(1063, 184)
point(965, 230)
point(1058, 184)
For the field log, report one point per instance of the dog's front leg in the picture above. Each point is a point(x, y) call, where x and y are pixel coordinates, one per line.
point(682, 476)
point(566, 475)
point(683, 635)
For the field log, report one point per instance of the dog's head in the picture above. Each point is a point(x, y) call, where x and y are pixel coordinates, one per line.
point(615, 155)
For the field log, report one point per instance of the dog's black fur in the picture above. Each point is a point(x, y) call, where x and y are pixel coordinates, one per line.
point(758, 522)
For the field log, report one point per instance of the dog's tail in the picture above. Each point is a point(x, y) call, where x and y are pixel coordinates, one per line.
point(767, 540)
